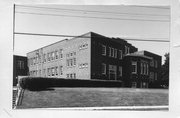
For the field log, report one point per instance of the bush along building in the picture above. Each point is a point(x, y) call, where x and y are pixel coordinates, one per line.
point(95, 57)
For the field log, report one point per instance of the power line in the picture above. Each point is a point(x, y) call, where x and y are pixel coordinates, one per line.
point(163, 7)
point(93, 11)
point(92, 17)
point(54, 35)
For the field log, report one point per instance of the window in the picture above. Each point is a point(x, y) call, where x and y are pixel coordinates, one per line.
point(61, 70)
point(115, 53)
point(61, 53)
point(56, 54)
point(56, 70)
point(20, 64)
point(155, 63)
point(53, 71)
point(152, 63)
point(109, 51)
point(74, 75)
point(134, 84)
point(74, 60)
point(83, 46)
point(49, 71)
point(48, 56)
point(151, 76)
point(67, 75)
point(120, 54)
point(120, 71)
point(126, 50)
point(142, 69)
point(147, 72)
point(44, 72)
point(112, 52)
point(103, 68)
point(52, 56)
point(83, 65)
point(155, 76)
point(44, 58)
point(104, 50)
point(134, 67)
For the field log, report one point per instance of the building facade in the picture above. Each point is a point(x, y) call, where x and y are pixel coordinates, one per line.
point(19, 68)
point(89, 56)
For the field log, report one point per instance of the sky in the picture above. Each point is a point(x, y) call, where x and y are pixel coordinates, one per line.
point(135, 22)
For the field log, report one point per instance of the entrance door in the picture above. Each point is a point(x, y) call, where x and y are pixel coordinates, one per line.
point(112, 72)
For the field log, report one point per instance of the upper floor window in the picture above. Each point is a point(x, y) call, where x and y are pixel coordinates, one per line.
point(152, 63)
point(61, 70)
point(83, 65)
point(134, 67)
point(61, 53)
point(110, 52)
point(56, 54)
point(83, 46)
point(115, 53)
point(155, 63)
point(120, 54)
point(120, 71)
point(104, 50)
point(20, 64)
point(103, 68)
point(44, 58)
point(127, 50)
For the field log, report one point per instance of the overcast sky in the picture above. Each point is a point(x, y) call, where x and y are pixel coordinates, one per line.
point(149, 23)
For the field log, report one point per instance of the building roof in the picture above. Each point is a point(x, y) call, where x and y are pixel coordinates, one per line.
point(89, 35)
point(138, 55)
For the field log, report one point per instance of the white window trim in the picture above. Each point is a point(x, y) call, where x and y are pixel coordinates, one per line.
point(120, 54)
point(120, 71)
point(104, 67)
point(134, 63)
point(103, 50)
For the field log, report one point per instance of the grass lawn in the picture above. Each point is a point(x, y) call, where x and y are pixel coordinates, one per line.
point(94, 97)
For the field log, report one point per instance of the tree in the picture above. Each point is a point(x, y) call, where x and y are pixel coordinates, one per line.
point(165, 71)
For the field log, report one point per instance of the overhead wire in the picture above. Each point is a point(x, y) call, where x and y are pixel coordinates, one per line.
point(94, 11)
point(54, 35)
point(92, 17)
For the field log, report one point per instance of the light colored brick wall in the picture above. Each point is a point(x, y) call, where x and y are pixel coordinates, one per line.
point(73, 45)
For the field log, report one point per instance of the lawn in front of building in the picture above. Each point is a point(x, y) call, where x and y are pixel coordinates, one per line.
point(94, 97)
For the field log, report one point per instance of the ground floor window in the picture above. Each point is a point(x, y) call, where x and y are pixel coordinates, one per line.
point(134, 67)
point(112, 72)
point(134, 85)
point(103, 68)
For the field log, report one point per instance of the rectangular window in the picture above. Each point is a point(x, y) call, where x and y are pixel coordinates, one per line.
point(115, 53)
point(48, 55)
point(53, 71)
point(103, 68)
point(120, 54)
point(44, 57)
point(74, 75)
point(112, 52)
point(142, 69)
point(104, 50)
point(127, 50)
point(74, 60)
point(155, 63)
point(120, 71)
point(147, 72)
point(56, 54)
point(152, 63)
point(151, 76)
point(61, 70)
point(44, 72)
point(61, 53)
point(109, 51)
point(155, 74)
point(20, 64)
point(56, 71)
point(134, 67)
